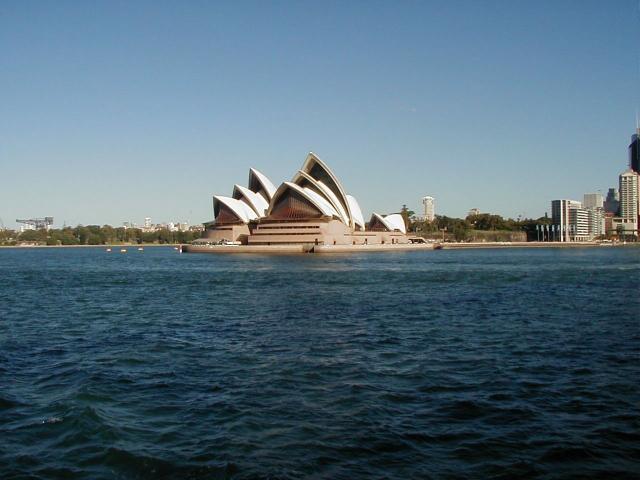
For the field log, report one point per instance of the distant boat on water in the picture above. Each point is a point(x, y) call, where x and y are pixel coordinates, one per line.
point(123, 250)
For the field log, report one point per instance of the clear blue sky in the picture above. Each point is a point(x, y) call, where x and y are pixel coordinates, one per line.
point(113, 111)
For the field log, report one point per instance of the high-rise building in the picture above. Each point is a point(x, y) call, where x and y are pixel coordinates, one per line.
point(593, 203)
point(596, 222)
point(612, 203)
point(429, 208)
point(571, 219)
point(634, 151)
point(629, 198)
point(593, 200)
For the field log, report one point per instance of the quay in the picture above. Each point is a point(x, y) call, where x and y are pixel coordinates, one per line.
point(304, 248)
point(402, 247)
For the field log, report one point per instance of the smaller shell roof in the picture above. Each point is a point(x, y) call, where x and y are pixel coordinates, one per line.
point(391, 222)
point(254, 200)
point(356, 213)
point(396, 221)
point(255, 177)
point(240, 209)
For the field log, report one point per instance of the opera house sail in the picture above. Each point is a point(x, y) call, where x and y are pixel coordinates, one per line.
point(313, 208)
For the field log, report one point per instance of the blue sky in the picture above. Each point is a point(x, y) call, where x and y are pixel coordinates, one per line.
point(113, 111)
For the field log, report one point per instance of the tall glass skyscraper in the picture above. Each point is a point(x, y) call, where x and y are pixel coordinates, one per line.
point(634, 152)
point(612, 203)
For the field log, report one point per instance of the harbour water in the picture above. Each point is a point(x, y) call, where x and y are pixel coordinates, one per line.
point(520, 363)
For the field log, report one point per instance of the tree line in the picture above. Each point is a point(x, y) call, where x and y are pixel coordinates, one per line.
point(467, 228)
point(95, 235)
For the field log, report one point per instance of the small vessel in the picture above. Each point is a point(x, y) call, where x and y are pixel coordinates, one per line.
point(123, 250)
point(229, 243)
point(108, 250)
point(140, 249)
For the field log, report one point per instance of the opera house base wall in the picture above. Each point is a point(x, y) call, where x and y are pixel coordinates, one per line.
point(231, 233)
point(303, 248)
point(387, 247)
point(320, 232)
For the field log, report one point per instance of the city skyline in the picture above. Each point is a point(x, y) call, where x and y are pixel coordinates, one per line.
point(120, 114)
point(590, 201)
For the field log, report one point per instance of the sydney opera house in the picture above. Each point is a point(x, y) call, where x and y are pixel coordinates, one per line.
point(311, 209)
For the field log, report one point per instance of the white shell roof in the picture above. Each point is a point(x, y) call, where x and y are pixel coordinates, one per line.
point(326, 207)
point(333, 201)
point(264, 181)
point(317, 200)
point(243, 211)
point(392, 222)
point(254, 200)
point(330, 196)
point(396, 222)
point(313, 159)
point(356, 213)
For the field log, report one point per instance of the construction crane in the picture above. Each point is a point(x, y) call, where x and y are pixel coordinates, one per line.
point(37, 223)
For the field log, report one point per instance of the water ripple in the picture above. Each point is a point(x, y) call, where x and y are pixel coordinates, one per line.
point(450, 364)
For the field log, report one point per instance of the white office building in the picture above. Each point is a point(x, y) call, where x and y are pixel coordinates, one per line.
point(429, 208)
point(571, 220)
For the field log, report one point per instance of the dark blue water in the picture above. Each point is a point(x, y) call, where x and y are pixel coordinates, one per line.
point(445, 364)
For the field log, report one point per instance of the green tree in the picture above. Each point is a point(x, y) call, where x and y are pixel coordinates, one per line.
point(406, 216)
point(39, 236)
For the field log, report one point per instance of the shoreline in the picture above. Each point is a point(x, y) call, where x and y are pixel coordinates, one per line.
point(454, 246)
point(336, 249)
point(329, 249)
point(115, 245)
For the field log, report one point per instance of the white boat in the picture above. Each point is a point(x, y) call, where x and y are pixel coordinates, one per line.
point(123, 250)
point(229, 243)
